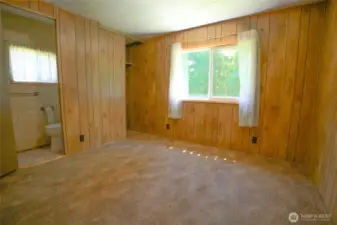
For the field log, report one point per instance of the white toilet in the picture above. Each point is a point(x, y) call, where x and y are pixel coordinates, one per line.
point(54, 131)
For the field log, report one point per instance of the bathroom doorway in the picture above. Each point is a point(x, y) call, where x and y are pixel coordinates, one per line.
point(30, 59)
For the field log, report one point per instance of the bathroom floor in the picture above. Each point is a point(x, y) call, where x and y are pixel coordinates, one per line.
point(37, 156)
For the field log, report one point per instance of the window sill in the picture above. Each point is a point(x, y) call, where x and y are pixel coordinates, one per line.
point(231, 101)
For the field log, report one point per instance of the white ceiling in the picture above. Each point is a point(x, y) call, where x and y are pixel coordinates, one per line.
point(141, 18)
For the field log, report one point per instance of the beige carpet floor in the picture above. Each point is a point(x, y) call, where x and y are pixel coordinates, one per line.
point(148, 180)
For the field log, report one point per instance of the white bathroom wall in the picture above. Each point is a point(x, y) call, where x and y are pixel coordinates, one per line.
point(28, 118)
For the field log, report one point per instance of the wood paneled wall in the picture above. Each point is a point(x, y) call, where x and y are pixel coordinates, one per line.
point(291, 42)
point(325, 137)
point(36, 6)
point(91, 62)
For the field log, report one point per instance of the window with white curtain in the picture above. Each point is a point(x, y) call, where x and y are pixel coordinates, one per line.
point(220, 72)
point(32, 65)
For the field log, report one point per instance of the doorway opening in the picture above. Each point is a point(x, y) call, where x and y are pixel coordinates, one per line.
point(30, 64)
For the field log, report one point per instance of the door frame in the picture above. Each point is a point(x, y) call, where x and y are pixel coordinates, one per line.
point(58, 62)
point(8, 159)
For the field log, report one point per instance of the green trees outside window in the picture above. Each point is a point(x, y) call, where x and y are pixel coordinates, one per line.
point(215, 69)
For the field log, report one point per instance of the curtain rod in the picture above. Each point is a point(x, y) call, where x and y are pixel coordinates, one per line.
point(209, 39)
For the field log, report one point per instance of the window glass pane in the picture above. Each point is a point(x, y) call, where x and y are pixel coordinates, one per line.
point(226, 82)
point(196, 64)
point(32, 65)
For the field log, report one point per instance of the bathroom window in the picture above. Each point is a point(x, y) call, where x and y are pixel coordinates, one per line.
point(32, 65)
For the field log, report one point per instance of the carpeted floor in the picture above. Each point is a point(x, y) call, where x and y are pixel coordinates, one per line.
point(149, 180)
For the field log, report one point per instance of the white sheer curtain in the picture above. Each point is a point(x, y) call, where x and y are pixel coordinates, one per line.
point(178, 82)
point(248, 55)
point(32, 65)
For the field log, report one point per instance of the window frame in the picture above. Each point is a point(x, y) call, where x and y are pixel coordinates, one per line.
point(210, 97)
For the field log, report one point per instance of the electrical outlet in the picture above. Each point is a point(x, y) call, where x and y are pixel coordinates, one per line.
point(167, 126)
point(254, 140)
point(81, 138)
